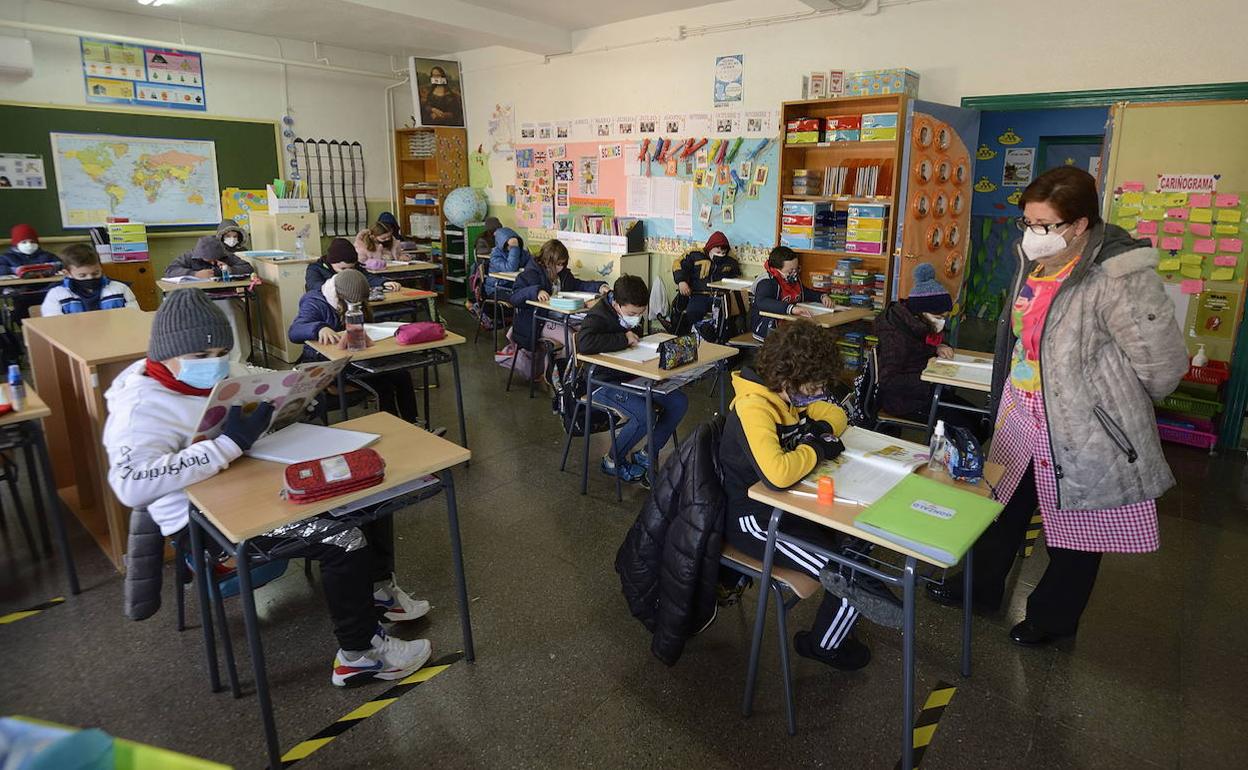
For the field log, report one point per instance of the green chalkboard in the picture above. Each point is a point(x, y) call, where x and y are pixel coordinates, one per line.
point(247, 153)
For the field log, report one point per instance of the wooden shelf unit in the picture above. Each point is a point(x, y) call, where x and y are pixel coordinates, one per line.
point(818, 156)
point(440, 173)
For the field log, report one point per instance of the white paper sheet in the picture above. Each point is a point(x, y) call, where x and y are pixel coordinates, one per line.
point(663, 198)
point(303, 441)
point(638, 196)
point(683, 212)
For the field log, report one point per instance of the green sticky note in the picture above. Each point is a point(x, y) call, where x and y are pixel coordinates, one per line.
point(1222, 274)
point(1153, 214)
point(1176, 199)
point(1129, 211)
point(1192, 259)
point(1155, 199)
point(1228, 216)
point(1202, 215)
point(1191, 271)
point(1225, 229)
point(1132, 198)
point(1128, 224)
point(1168, 265)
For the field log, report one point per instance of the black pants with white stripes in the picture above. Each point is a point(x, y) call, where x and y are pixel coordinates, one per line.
point(835, 616)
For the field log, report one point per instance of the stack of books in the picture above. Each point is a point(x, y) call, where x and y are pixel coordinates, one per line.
point(865, 228)
point(421, 144)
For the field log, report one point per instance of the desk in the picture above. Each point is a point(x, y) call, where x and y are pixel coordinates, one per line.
point(74, 359)
point(730, 285)
point(502, 277)
point(555, 316)
point(242, 503)
point(708, 353)
point(439, 351)
point(403, 295)
point(838, 317)
point(22, 286)
point(399, 268)
point(840, 517)
point(278, 294)
point(24, 429)
point(942, 380)
point(243, 288)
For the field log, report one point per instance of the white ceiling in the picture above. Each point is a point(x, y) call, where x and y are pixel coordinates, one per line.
point(403, 27)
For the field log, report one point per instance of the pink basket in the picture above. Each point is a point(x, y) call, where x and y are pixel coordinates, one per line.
point(1190, 437)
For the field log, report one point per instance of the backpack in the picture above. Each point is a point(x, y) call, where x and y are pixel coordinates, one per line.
point(966, 458)
point(568, 382)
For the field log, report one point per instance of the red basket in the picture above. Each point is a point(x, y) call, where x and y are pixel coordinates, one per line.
point(1212, 373)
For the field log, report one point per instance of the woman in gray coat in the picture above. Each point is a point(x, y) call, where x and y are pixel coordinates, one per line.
point(1089, 340)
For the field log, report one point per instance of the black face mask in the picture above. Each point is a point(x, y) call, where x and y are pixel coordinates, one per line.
point(85, 287)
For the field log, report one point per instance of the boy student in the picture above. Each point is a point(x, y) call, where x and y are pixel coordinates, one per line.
point(508, 256)
point(779, 429)
point(25, 250)
point(698, 268)
point(232, 236)
point(779, 290)
point(322, 318)
point(610, 326)
point(208, 260)
point(85, 287)
point(340, 256)
point(154, 407)
point(546, 275)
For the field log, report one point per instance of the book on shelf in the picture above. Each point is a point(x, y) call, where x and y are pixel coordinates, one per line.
point(871, 464)
point(936, 519)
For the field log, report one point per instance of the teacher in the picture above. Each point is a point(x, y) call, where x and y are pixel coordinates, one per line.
point(1088, 342)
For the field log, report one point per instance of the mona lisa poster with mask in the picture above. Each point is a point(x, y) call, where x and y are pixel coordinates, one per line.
point(438, 90)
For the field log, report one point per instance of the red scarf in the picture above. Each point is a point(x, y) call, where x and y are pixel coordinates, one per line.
point(159, 372)
point(790, 292)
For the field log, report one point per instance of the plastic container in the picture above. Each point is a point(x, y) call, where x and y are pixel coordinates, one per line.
point(1189, 404)
point(938, 450)
point(1176, 434)
point(357, 338)
point(1213, 373)
point(17, 388)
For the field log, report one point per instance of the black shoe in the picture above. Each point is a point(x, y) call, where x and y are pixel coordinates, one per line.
point(1029, 635)
point(850, 656)
point(950, 594)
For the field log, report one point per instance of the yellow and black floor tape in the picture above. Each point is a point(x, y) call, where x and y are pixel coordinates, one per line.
point(304, 749)
point(1033, 533)
point(925, 724)
point(13, 617)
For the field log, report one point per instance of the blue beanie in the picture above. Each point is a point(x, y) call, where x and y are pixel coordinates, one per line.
point(927, 295)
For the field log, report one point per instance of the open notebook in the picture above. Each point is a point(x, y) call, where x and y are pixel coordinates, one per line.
point(303, 441)
point(871, 464)
point(645, 350)
point(961, 367)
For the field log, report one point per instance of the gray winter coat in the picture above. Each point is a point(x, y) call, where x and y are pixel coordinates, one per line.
point(1110, 345)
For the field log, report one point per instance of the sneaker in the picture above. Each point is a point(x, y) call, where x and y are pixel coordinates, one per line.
point(396, 604)
point(629, 473)
point(388, 658)
point(850, 656)
point(640, 457)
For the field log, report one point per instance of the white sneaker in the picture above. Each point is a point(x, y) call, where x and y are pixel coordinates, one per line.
point(388, 658)
point(397, 605)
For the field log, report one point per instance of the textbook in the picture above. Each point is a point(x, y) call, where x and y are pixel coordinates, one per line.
point(961, 367)
point(816, 308)
point(935, 519)
point(290, 392)
point(871, 464)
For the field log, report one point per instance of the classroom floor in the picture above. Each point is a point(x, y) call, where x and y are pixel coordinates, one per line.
point(564, 676)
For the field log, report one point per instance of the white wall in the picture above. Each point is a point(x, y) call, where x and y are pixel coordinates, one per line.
point(324, 104)
point(959, 47)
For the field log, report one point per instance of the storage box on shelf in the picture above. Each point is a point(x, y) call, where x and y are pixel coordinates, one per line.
point(458, 258)
point(429, 164)
point(1187, 415)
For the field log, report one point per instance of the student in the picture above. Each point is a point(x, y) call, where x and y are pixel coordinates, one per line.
point(322, 318)
point(698, 268)
point(542, 277)
point(233, 236)
point(154, 407)
point(508, 256)
point(390, 222)
point(609, 326)
point(85, 287)
point(25, 250)
point(779, 290)
point(340, 255)
point(377, 246)
point(207, 260)
point(485, 241)
point(778, 430)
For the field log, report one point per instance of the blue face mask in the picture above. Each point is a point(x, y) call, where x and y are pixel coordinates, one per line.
point(203, 373)
point(799, 400)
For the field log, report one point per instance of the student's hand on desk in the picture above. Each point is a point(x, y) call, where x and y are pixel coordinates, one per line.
point(245, 429)
point(543, 296)
point(327, 336)
point(944, 351)
point(827, 301)
point(684, 288)
point(633, 339)
point(205, 273)
point(800, 312)
point(391, 286)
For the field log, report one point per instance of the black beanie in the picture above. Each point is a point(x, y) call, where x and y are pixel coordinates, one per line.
point(341, 250)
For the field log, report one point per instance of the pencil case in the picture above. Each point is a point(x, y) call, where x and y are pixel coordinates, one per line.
point(41, 270)
point(314, 480)
point(419, 332)
point(678, 351)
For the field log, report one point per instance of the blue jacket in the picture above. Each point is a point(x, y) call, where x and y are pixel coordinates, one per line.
point(528, 284)
point(12, 259)
point(318, 273)
point(503, 259)
point(315, 313)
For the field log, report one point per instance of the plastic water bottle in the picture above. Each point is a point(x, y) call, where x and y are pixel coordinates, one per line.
point(938, 450)
point(17, 388)
point(357, 338)
point(299, 246)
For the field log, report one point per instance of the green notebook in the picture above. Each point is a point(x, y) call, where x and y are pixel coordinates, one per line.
point(932, 518)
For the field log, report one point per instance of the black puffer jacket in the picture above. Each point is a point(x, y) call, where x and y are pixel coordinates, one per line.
point(669, 562)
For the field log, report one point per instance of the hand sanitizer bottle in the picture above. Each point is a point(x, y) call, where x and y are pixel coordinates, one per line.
point(938, 450)
point(299, 246)
point(1201, 358)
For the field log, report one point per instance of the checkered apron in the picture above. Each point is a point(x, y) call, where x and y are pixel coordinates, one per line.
point(1022, 438)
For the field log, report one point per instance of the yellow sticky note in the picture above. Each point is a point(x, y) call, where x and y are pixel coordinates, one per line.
point(1128, 211)
point(1226, 229)
point(1190, 271)
point(1222, 274)
point(1201, 215)
point(1228, 216)
point(1153, 214)
point(1176, 199)
point(1132, 198)
point(1127, 224)
point(1168, 265)
point(1155, 199)
point(1192, 259)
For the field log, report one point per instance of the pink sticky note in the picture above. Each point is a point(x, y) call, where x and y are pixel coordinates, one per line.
point(1226, 260)
point(1198, 200)
point(1173, 228)
point(1153, 240)
point(1146, 227)
point(1230, 244)
point(1201, 230)
point(1174, 244)
point(1204, 246)
point(1176, 214)
point(1225, 201)
point(1133, 187)
point(1192, 286)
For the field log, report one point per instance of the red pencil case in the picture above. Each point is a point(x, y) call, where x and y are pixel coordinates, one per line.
point(41, 270)
point(315, 480)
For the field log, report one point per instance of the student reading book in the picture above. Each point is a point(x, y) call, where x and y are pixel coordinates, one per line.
point(780, 290)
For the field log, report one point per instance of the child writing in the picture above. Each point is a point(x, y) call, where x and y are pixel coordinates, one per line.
point(779, 290)
point(377, 246)
point(546, 275)
point(207, 260)
point(154, 408)
point(85, 287)
point(779, 429)
point(340, 256)
point(698, 268)
point(322, 318)
point(610, 326)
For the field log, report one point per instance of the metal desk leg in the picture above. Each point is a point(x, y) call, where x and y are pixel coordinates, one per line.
point(654, 457)
point(931, 413)
point(54, 506)
point(264, 335)
point(424, 379)
point(246, 297)
point(459, 398)
point(457, 557)
point(494, 311)
point(533, 353)
point(202, 576)
point(342, 393)
point(966, 615)
point(907, 664)
point(760, 616)
point(723, 388)
point(252, 624)
point(32, 470)
point(589, 413)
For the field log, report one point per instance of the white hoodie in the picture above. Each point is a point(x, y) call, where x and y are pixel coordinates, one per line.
point(151, 460)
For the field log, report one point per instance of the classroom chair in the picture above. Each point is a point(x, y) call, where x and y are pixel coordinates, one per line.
point(868, 395)
point(8, 474)
point(789, 587)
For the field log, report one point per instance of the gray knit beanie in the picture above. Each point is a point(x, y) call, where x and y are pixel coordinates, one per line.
point(210, 249)
point(188, 322)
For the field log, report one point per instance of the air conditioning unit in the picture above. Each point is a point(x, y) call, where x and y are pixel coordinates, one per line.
point(17, 58)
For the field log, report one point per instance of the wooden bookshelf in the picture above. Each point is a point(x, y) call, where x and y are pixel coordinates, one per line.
point(440, 167)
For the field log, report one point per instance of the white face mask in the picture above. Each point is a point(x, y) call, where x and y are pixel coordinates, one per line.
point(28, 247)
point(1042, 245)
point(936, 322)
point(630, 321)
point(230, 241)
point(438, 81)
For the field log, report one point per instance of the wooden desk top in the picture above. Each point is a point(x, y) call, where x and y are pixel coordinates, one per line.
point(958, 382)
point(411, 267)
point(552, 309)
point(102, 337)
point(708, 353)
point(387, 347)
point(505, 275)
point(838, 317)
point(243, 501)
point(726, 286)
point(35, 409)
point(31, 281)
point(403, 295)
point(840, 516)
point(168, 286)
point(293, 260)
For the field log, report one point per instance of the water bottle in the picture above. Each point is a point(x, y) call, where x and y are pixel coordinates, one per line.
point(938, 450)
point(357, 338)
point(299, 246)
point(17, 388)
point(225, 273)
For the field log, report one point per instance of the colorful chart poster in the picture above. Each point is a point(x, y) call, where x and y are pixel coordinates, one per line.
point(1020, 164)
point(729, 80)
point(119, 73)
point(22, 172)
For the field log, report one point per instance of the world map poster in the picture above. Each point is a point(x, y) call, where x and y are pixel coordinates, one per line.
point(145, 179)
